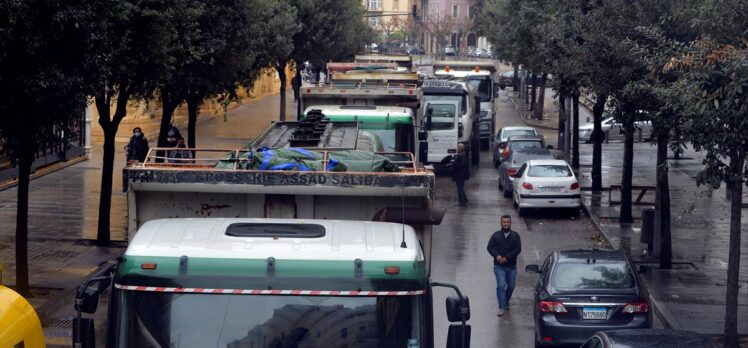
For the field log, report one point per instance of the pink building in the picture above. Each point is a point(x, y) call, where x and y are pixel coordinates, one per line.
point(451, 18)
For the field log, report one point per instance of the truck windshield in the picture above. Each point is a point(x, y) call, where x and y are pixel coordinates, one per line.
point(394, 137)
point(483, 87)
point(156, 319)
point(460, 99)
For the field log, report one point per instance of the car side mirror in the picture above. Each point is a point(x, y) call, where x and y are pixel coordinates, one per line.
point(456, 309)
point(645, 269)
point(532, 269)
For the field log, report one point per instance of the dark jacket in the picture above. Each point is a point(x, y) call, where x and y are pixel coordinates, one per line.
point(460, 167)
point(137, 148)
point(172, 136)
point(508, 247)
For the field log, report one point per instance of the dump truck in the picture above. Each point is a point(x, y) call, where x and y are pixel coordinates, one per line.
point(384, 102)
point(227, 251)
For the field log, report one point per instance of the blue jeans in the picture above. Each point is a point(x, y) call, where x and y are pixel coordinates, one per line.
point(506, 278)
point(461, 197)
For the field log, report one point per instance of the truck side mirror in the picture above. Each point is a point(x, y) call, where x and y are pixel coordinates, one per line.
point(84, 333)
point(427, 121)
point(456, 309)
point(423, 151)
point(532, 269)
point(88, 301)
point(455, 334)
point(422, 136)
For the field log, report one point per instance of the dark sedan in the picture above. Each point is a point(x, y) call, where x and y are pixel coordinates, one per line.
point(581, 292)
point(649, 338)
point(506, 79)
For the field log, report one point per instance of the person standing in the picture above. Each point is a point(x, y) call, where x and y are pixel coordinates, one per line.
point(504, 247)
point(460, 174)
point(178, 155)
point(172, 136)
point(137, 148)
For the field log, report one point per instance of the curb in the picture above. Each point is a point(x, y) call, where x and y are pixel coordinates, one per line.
point(657, 307)
point(65, 297)
point(44, 171)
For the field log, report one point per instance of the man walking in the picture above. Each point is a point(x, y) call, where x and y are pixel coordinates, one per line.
point(460, 173)
point(137, 148)
point(504, 246)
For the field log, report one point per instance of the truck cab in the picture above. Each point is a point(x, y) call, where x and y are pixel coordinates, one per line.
point(479, 75)
point(442, 141)
point(239, 282)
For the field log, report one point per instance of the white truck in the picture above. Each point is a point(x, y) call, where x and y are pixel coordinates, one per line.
point(450, 111)
point(221, 255)
point(480, 75)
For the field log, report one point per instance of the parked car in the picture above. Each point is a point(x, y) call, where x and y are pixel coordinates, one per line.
point(613, 130)
point(649, 338)
point(506, 79)
point(546, 184)
point(449, 50)
point(503, 135)
point(508, 168)
point(580, 292)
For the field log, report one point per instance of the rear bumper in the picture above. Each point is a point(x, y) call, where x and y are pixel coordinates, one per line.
point(549, 200)
point(562, 333)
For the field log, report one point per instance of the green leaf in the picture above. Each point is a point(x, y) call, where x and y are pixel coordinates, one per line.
point(716, 103)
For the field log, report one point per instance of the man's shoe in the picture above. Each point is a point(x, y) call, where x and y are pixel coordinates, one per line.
point(501, 312)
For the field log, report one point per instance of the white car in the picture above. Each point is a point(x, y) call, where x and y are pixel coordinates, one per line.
point(546, 183)
point(614, 130)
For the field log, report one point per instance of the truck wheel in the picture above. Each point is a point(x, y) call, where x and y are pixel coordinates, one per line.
point(484, 144)
point(475, 149)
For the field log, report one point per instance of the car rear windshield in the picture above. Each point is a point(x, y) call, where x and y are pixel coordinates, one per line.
point(513, 132)
point(549, 170)
point(580, 276)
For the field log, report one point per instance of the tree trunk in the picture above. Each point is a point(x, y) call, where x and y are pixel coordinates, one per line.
point(281, 69)
point(169, 104)
point(25, 160)
point(561, 119)
point(628, 170)
point(737, 162)
point(575, 130)
point(534, 95)
point(109, 127)
point(597, 142)
point(525, 88)
point(515, 79)
point(541, 98)
point(662, 200)
point(193, 109)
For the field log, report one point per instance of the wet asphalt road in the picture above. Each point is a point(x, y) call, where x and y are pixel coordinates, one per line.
point(460, 256)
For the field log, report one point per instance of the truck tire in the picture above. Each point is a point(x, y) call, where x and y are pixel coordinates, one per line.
point(475, 149)
point(484, 144)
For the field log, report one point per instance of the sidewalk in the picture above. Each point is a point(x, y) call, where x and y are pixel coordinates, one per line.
point(63, 217)
point(692, 295)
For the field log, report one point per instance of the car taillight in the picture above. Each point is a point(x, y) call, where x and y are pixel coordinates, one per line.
point(575, 186)
point(637, 307)
point(505, 154)
point(552, 307)
point(511, 172)
point(527, 186)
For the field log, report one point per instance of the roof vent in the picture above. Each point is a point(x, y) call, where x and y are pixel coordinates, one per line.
point(275, 230)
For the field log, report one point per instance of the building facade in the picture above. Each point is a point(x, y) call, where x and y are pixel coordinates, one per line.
point(448, 22)
point(390, 19)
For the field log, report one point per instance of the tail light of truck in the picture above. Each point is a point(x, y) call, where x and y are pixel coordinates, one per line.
point(392, 270)
point(552, 307)
point(511, 172)
point(527, 186)
point(636, 307)
point(148, 265)
point(574, 186)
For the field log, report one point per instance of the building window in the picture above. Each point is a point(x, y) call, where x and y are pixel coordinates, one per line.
point(396, 5)
point(375, 5)
point(374, 22)
point(455, 11)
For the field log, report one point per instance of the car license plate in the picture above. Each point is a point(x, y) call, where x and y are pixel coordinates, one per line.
point(550, 189)
point(594, 313)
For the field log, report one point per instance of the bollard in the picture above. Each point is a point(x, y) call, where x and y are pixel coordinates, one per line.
point(647, 230)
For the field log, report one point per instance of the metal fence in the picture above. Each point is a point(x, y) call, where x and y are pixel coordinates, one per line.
point(62, 147)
